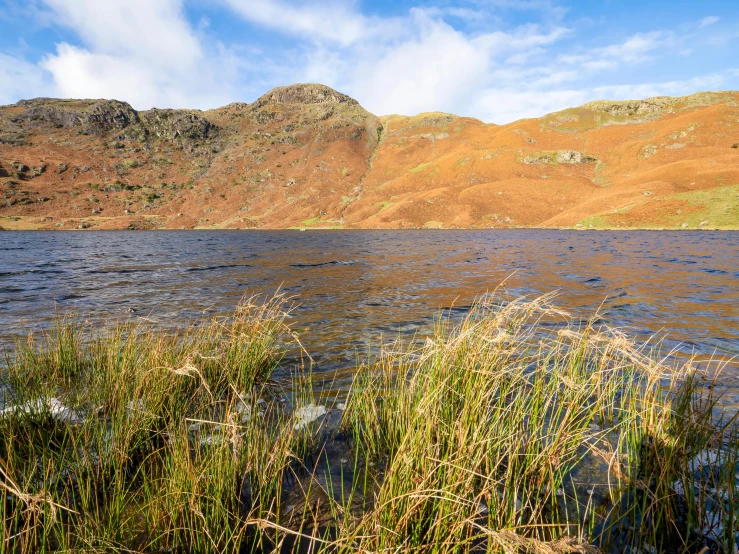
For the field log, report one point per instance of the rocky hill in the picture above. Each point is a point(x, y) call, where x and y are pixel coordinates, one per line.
point(308, 156)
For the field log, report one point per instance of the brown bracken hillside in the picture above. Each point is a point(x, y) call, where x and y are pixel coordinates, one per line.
point(308, 156)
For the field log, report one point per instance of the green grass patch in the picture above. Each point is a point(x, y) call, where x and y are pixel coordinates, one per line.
point(719, 207)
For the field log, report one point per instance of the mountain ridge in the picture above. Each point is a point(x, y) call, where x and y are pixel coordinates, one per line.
point(308, 156)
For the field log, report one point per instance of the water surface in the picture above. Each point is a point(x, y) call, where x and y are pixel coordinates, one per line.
point(352, 286)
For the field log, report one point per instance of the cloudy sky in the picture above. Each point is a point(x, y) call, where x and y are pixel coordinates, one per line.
point(497, 60)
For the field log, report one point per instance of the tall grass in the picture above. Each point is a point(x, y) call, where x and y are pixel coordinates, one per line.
point(506, 433)
point(141, 440)
point(510, 431)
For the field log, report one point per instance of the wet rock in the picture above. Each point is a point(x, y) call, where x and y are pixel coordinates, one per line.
point(51, 407)
point(307, 414)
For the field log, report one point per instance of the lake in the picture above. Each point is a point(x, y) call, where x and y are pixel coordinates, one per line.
point(353, 286)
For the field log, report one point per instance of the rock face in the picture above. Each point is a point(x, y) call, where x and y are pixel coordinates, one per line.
point(95, 117)
point(177, 124)
point(632, 107)
point(573, 157)
point(100, 117)
point(308, 156)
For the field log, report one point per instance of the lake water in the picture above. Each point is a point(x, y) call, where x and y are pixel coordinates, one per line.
point(353, 286)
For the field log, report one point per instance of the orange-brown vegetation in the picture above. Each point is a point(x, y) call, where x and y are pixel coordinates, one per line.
point(308, 156)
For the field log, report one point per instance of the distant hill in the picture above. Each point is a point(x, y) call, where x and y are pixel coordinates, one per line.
point(308, 156)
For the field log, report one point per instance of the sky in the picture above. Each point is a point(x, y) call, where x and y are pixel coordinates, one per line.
point(496, 60)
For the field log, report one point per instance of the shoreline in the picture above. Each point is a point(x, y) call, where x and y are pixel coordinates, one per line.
point(358, 229)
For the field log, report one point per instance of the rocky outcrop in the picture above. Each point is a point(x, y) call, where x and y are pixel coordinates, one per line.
point(94, 117)
point(560, 157)
point(630, 108)
point(573, 157)
point(177, 125)
point(102, 117)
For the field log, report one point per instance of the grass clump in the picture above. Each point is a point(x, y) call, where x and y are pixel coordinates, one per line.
point(140, 440)
point(499, 434)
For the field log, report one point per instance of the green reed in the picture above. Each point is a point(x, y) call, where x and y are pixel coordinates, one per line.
point(510, 431)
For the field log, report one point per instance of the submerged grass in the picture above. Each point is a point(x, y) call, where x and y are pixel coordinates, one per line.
point(511, 431)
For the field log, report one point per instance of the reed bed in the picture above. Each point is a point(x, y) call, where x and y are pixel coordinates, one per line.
point(513, 430)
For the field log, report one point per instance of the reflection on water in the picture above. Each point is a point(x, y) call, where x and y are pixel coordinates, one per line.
point(352, 286)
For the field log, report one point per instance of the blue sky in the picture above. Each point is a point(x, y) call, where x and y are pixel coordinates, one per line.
point(497, 60)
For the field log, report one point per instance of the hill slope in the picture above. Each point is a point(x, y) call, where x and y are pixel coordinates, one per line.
point(309, 156)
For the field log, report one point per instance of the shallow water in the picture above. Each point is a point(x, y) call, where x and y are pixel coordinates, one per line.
point(353, 286)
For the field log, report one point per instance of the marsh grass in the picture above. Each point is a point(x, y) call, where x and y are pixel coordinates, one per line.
point(140, 440)
point(495, 433)
point(513, 430)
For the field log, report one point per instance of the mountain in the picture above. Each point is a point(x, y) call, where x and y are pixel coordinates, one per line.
point(308, 156)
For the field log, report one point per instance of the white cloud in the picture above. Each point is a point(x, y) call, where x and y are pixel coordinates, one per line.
point(18, 78)
point(334, 20)
point(141, 51)
point(635, 49)
point(79, 73)
point(708, 21)
point(427, 72)
point(510, 104)
point(141, 29)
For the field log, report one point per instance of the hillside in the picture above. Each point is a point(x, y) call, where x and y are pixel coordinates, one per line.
point(310, 157)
